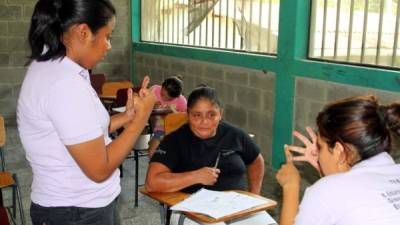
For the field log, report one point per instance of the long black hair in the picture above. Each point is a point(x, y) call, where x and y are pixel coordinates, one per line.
point(52, 18)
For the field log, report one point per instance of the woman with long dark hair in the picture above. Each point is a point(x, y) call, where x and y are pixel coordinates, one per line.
point(361, 181)
point(62, 124)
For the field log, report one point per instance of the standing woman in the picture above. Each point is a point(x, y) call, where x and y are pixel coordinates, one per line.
point(61, 122)
point(361, 182)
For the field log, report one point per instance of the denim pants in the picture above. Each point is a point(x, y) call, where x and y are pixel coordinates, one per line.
point(107, 215)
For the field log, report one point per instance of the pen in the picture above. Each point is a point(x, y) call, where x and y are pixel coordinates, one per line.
point(217, 161)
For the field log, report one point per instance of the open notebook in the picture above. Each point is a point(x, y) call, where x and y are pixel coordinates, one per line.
point(217, 204)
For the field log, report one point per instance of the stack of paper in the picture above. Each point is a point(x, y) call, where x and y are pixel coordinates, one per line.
point(218, 204)
point(119, 109)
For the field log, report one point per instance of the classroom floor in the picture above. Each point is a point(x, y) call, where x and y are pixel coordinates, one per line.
point(145, 214)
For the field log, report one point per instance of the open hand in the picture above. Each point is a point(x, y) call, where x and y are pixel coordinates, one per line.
point(130, 110)
point(145, 100)
point(309, 153)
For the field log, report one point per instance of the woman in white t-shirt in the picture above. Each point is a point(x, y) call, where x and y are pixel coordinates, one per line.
point(61, 122)
point(361, 181)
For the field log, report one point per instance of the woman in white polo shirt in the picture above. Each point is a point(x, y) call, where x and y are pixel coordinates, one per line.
point(361, 181)
point(62, 124)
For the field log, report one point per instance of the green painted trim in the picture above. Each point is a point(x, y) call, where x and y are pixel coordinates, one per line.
point(136, 20)
point(136, 33)
point(251, 61)
point(349, 74)
point(292, 43)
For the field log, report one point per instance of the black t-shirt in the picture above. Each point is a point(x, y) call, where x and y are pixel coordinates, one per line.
point(182, 151)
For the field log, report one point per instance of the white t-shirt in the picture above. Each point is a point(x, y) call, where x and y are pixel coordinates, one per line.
point(368, 194)
point(57, 107)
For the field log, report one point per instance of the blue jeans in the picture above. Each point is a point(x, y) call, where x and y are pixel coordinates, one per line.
point(107, 215)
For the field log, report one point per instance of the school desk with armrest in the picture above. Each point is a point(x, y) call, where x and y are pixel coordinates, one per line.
point(168, 199)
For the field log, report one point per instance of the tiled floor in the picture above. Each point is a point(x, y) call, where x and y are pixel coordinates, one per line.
point(146, 214)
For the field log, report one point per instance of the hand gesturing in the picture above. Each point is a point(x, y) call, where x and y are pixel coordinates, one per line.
point(288, 176)
point(309, 153)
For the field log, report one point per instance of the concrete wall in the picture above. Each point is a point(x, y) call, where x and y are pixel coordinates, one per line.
point(247, 95)
point(14, 25)
point(312, 95)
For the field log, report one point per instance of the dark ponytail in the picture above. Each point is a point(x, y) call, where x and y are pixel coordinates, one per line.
point(392, 117)
point(52, 18)
point(361, 122)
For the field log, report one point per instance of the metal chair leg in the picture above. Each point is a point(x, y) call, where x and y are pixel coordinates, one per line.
point(182, 218)
point(2, 160)
point(14, 201)
point(136, 177)
point(121, 170)
point(164, 214)
point(19, 199)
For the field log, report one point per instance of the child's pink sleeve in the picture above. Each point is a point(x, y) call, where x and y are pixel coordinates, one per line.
point(181, 104)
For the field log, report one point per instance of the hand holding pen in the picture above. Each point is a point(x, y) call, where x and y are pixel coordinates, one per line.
point(209, 175)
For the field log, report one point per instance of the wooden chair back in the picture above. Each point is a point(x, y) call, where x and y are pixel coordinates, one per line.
point(111, 88)
point(122, 96)
point(97, 81)
point(173, 121)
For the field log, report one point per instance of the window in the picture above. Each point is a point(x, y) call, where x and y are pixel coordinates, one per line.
point(356, 31)
point(247, 25)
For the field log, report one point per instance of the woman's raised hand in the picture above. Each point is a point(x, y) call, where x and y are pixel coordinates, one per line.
point(309, 153)
point(130, 110)
point(140, 104)
point(288, 176)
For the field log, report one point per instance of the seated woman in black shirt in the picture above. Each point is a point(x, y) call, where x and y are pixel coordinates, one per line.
point(206, 152)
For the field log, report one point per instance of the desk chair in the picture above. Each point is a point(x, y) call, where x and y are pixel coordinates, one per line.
point(172, 122)
point(8, 180)
point(141, 146)
point(122, 96)
point(139, 150)
point(97, 81)
point(109, 92)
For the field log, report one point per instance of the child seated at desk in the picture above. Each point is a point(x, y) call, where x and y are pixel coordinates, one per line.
point(169, 96)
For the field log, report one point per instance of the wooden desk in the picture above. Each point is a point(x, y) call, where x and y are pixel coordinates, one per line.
point(172, 198)
point(154, 112)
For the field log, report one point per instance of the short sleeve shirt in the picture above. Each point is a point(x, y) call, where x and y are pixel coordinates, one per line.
point(178, 103)
point(368, 194)
point(182, 151)
point(58, 107)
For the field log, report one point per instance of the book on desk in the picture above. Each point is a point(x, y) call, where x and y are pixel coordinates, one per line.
point(217, 204)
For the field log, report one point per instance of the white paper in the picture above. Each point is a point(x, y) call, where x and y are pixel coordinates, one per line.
point(119, 109)
point(218, 204)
